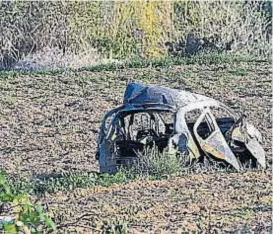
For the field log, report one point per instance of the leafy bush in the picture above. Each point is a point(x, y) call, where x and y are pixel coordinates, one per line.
point(25, 216)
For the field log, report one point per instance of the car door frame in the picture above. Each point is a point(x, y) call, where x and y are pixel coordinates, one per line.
point(215, 144)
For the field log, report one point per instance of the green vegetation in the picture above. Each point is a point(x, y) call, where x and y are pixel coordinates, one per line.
point(152, 165)
point(27, 217)
point(67, 181)
point(205, 59)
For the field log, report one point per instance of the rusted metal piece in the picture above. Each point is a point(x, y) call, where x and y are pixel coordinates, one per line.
point(143, 120)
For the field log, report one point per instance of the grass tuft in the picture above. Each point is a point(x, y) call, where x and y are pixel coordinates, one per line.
point(154, 164)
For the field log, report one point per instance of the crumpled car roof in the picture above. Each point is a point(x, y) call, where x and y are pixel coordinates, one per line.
point(137, 94)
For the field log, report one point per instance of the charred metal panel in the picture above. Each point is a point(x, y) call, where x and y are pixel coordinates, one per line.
point(221, 137)
point(257, 151)
point(214, 144)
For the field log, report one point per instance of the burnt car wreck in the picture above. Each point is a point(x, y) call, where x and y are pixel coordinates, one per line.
point(192, 124)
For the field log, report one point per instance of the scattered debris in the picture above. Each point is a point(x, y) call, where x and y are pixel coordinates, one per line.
point(180, 121)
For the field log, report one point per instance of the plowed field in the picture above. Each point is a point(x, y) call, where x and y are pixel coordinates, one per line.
point(49, 124)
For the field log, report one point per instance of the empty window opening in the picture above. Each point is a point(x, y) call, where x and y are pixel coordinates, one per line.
point(206, 127)
point(143, 128)
point(223, 118)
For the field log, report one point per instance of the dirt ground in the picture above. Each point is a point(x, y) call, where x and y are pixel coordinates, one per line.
point(49, 124)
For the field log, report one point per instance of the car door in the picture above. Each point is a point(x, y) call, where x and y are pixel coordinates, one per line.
point(211, 140)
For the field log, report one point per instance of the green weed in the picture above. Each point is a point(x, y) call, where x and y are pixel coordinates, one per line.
point(242, 213)
point(29, 218)
point(154, 164)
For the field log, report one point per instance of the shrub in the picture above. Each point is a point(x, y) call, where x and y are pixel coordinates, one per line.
point(27, 217)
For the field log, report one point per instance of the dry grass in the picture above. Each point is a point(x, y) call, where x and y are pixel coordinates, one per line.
point(246, 24)
point(126, 29)
point(51, 58)
point(152, 162)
